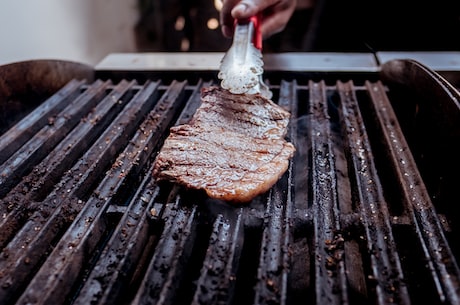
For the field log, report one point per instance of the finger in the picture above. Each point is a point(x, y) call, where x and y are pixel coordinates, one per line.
point(248, 8)
point(276, 17)
point(274, 24)
point(227, 31)
point(226, 18)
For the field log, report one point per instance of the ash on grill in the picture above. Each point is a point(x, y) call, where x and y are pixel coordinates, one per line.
point(351, 222)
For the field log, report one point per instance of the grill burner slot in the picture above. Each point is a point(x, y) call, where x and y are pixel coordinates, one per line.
point(351, 222)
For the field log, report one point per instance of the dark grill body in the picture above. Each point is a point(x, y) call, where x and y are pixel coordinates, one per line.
point(366, 214)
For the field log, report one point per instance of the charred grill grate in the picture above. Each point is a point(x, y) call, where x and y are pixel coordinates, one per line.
point(351, 222)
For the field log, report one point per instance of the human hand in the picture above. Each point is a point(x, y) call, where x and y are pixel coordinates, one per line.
point(275, 14)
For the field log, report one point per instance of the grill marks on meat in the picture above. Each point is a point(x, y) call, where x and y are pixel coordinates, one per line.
point(233, 147)
point(252, 115)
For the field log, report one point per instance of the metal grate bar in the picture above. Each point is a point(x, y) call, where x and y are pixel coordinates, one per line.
point(132, 227)
point(174, 248)
point(218, 274)
point(416, 199)
point(49, 218)
point(274, 263)
point(46, 173)
point(88, 227)
point(385, 263)
point(289, 100)
point(45, 139)
point(274, 258)
point(329, 242)
point(14, 138)
point(116, 267)
point(76, 142)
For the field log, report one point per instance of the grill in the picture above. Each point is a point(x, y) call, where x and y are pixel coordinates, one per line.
point(367, 212)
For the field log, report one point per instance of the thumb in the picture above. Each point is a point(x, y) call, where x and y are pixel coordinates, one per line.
point(248, 8)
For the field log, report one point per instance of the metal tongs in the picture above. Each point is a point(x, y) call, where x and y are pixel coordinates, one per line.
point(241, 67)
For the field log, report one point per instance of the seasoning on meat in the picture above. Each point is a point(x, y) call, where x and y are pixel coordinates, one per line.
point(233, 147)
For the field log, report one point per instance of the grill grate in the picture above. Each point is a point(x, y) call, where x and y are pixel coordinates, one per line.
point(351, 222)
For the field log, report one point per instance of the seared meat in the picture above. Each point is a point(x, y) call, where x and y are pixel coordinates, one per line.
point(233, 147)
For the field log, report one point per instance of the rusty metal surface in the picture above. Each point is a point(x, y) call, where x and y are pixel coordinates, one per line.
point(361, 216)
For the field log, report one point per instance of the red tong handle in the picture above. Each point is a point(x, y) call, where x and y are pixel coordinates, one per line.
point(256, 20)
point(257, 40)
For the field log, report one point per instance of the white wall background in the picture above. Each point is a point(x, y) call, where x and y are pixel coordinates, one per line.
point(78, 30)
